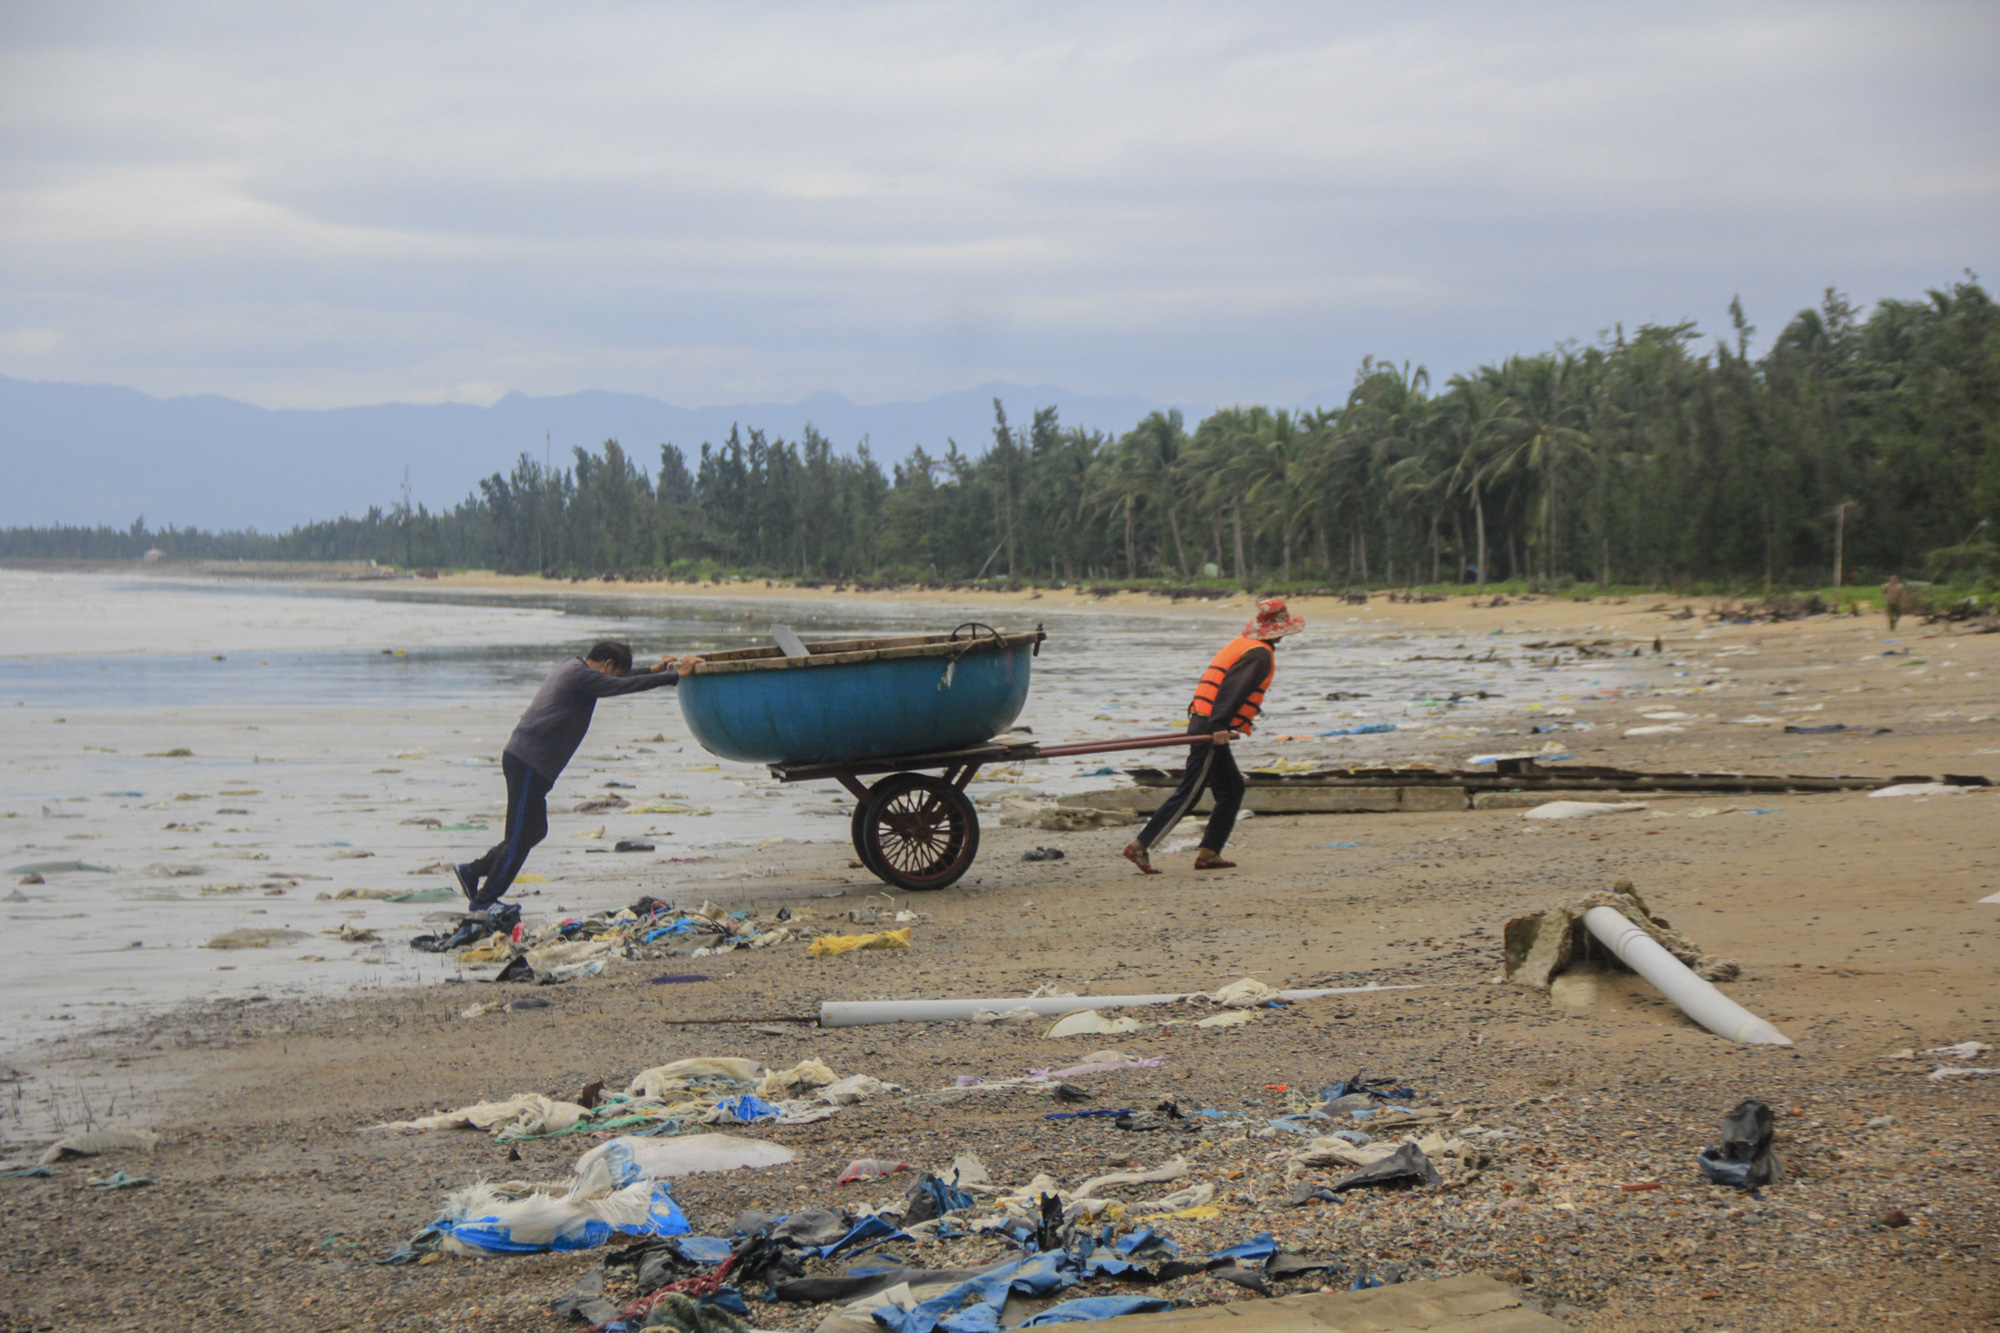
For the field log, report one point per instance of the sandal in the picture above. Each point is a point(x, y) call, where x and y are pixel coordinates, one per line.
point(1137, 856)
point(1213, 862)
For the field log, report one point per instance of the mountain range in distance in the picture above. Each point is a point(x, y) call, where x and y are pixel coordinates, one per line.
point(84, 455)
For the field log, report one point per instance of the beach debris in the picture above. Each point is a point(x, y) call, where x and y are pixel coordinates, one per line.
point(1582, 809)
point(827, 945)
point(1961, 1050)
point(19, 897)
point(694, 1154)
point(607, 1197)
point(871, 1168)
point(96, 1142)
point(1537, 948)
point(1092, 1022)
point(632, 845)
point(255, 937)
point(118, 1180)
point(1043, 854)
point(1743, 1158)
point(1407, 1164)
point(59, 868)
point(1923, 789)
point(178, 752)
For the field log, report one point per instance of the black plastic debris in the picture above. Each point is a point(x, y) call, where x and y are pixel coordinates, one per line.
point(1744, 1157)
point(1406, 1166)
point(1247, 1278)
point(1069, 1092)
point(632, 845)
point(1282, 1265)
point(1166, 1115)
point(585, 1301)
point(676, 978)
point(1043, 854)
point(517, 969)
point(1828, 730)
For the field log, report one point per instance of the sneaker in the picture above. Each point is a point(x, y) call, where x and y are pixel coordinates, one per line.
point(468, 883)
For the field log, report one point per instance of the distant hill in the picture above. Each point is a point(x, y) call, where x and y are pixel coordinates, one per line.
point(90, 454)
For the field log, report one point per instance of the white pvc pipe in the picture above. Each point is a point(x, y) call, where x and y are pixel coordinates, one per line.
point(1697, 999)
point(858, 1013)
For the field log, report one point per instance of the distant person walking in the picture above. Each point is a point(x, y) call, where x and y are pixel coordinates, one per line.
point(544, 741)
point(1897, 600)
point(1225, 703)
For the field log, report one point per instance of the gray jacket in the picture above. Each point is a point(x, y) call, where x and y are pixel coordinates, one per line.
point(546, 737)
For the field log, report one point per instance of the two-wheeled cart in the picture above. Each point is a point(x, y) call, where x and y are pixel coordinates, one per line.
point(892, 709)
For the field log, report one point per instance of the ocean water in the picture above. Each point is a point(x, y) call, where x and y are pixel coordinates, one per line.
point(324, 725)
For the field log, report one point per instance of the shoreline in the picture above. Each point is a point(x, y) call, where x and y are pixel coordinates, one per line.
point(1857, 922)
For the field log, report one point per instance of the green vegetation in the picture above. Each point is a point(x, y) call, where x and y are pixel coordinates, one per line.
point(1641, 460)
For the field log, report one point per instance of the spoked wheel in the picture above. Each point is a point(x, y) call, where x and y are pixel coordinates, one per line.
point(916, 832)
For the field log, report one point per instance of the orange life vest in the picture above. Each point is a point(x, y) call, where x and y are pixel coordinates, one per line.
point(1211, 681)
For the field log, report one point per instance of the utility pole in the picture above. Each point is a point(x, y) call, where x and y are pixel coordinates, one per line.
point(1839, 547)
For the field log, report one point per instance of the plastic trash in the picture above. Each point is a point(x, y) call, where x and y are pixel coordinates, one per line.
point(695, 1154)
point(632, 845)
point(1092, 1308)
point(605, 1199)
point(1406, 1166)
point(827, 945)
point(746, 1109)
point(1744, 1157)
point(93, 1142)
point(1092, 1022)
point(871, 1168)
point(1582, 809)
point(118, 1180)
point(1043, 854)
point(931, 1197)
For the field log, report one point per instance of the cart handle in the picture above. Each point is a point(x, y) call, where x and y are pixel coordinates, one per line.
point(1132, 743)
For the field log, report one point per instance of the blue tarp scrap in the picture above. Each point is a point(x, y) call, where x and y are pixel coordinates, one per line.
point(1259, 1246)
point(664, 1218)
point(1371, 729)
point(867, 1234)
point(746, 1109)
point(1146, 1243)
point(702, 1249)
point(973, 1306)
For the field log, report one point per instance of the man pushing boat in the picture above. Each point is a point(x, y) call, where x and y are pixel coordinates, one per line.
point(1225, 703)
point(544, 741)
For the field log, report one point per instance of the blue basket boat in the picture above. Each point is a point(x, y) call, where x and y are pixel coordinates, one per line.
point(857, 699)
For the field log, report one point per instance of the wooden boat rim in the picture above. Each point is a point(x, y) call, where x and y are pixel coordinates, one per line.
point(850, 652)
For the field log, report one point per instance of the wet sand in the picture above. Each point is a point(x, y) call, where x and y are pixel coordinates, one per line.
point(1856, 920)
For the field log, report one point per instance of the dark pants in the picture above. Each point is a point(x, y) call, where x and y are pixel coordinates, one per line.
point(527, 824)
point(1211, 767)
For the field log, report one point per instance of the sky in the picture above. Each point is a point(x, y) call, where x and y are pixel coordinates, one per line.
point(311, 205)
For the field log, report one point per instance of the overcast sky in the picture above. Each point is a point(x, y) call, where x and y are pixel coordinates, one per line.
point(320, 204)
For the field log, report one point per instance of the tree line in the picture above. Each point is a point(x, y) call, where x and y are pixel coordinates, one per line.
point(1641, 458)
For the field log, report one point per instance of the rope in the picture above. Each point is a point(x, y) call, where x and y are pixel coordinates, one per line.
point(701, 1284)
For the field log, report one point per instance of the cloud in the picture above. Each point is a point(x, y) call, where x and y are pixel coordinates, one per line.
point(318, 205)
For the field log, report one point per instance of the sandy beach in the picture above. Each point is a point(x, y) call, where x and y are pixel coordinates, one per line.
point(1856, 920)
